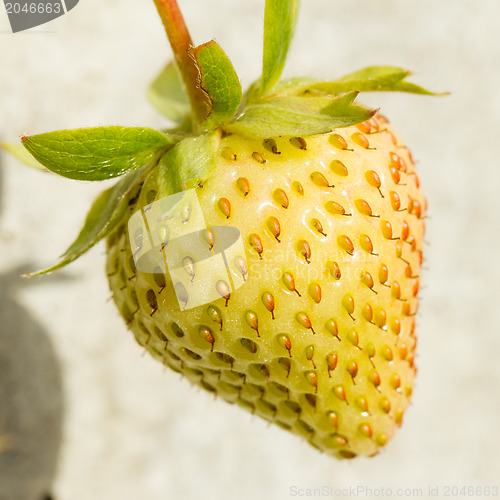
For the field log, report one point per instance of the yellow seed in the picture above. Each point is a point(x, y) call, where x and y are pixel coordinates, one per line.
point(362, 403)
point(367, 312)
point(270, 145)
point(268, 301)
point(397, 162)
point(395, 200)
point(253, 321)
point(256, 244)
point(281, 198)
point(297, 187)
point(208, 237)
point(383, 274)
point(373, 180)
point(361, 140)
point(339, 391)
point(395, 381)
point(289, 282)
point(243, 185)
point(381, 439)
point(403, 351)
point(363, 207)
point(206, 334)
point(380, 317)
point(284, 341)
point(320, 180)
point(338, 168)
point(370, 350)
point(386, 229)
point(398, 417)
point(241, 264)
point(338, 141)
point(258, 157)
point(366, 243)
point(331, 361)
point(332, 418)
point(304, 250)
point(386, 353)
point(396, 290)
point(384, 404)
point(395, 326)
point(335, 208)
point(315, 292)
point(345, 244)
point(273, 225)
point(365, 429)
point(353, 338)
point(374, 378)
point(312, 378)
point(352, 368)
point(364, 127)
point(298, 142)
point(334, 270)
point(228, 154)
point(415, 208)
point(396, 177)
point(316, 224)
point(225, 207)
point(405, 230)
point(367, 280)
point(215, 315)
point(332, 328)
point(304, 320)
point(223, 290)
point(348, 303)
point(309, 350)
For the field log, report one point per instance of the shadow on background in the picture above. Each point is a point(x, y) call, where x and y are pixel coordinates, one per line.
point(31, 395)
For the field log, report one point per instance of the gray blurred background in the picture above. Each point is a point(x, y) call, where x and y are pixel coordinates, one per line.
point(76, 390)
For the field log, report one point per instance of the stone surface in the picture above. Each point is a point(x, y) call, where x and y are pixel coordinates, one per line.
point(118, 424)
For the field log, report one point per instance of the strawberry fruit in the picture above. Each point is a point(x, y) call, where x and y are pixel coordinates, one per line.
point(319, 335)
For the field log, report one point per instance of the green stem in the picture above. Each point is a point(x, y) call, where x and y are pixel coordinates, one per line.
point(180, 41)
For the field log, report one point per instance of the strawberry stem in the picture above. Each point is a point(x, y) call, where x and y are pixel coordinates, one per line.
point(181, 43)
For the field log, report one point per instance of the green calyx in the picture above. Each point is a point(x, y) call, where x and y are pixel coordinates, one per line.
point(201, 94)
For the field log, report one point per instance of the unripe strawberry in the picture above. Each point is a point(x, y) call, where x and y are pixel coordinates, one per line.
point(269, 247)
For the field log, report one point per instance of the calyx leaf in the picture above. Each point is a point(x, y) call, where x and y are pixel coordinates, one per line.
point(220, 82)
point(293, 115)
point(105, 213)
point(373, 78)
point(279, 25)
point(187, 163)
point(168, 95)
point(95, 154)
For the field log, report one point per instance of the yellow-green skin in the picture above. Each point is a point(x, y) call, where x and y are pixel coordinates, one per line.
point(286, 372)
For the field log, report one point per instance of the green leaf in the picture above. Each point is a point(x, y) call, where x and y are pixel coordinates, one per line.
point(105, 213)
point(293, 115)
point(187, 163)
point(168, 96)
point(373, 78)
point(220, 82)
point(18, 151)
point(279, 25)
point(95, 154)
